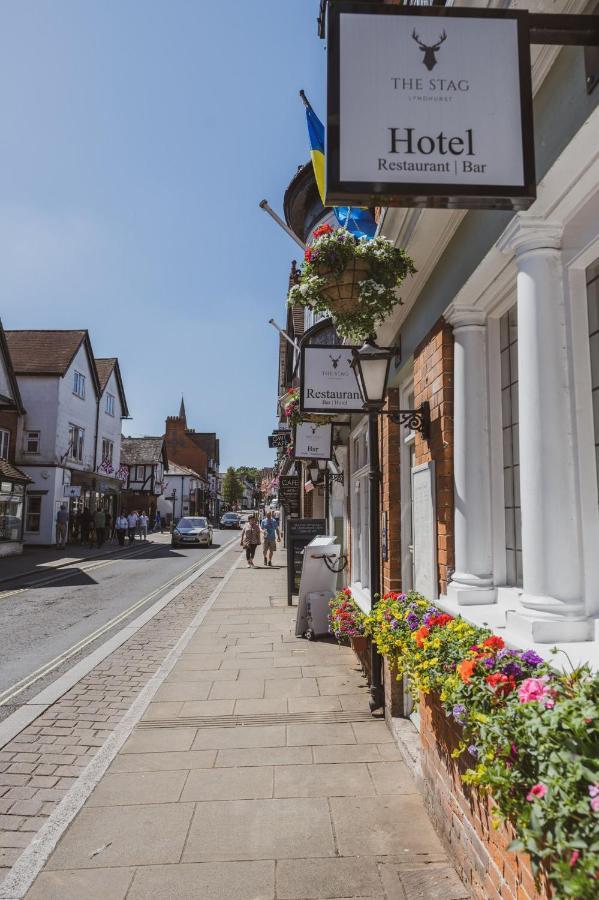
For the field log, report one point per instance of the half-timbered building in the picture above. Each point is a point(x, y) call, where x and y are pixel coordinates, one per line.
point(146, 461)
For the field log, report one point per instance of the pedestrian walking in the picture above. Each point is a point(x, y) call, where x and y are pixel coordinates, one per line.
point(143, 526)
point(100, 524)
point(132, 525)
point(86, 525)
point(158, 525)
point(109, 528)
point(270, 530)
point(250, 539)
point(62, 524)
point(122, 526)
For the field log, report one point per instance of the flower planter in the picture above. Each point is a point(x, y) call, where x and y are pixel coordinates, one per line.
point(343, 291)
point(359, 643)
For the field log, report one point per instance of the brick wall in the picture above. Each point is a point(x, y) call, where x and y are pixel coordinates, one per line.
point(433, 381)
point(182, 449)
point(463, 817)
point(390, 436)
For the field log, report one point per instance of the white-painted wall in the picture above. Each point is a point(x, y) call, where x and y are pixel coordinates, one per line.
point(184, 485)
point(73, 410)
point(51, 480)
point(109, 427)
point(39, 394)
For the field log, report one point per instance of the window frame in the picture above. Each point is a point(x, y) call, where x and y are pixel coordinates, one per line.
point(5, 436)
point(28, 434)
point(79, 384)
point(110, 406)
point(107, 443)
point(80, 435)
point(30, 499)
point(360, 511)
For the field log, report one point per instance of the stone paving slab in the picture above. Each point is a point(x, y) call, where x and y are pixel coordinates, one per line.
point(300, 809)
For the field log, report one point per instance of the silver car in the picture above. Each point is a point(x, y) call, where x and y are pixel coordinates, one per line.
point(192, 530)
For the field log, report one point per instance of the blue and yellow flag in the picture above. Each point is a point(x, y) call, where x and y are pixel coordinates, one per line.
point(358, 221)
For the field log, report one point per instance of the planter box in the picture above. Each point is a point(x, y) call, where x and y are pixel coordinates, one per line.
point(462, 816)
point(361, 647)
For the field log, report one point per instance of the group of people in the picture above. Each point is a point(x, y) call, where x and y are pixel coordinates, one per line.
point(253, 534)
point(95, 528)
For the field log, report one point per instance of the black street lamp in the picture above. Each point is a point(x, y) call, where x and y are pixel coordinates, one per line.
point(371, 365)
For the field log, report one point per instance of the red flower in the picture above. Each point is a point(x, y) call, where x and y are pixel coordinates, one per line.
point(494, 642)
point(308, 254)
point(347, 592)
point(440, 620)
point(322, 229)
point(501, 684)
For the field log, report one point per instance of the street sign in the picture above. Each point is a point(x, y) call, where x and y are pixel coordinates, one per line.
point(429, 106)
point(299, 534)
point(313, 441)
point(328, 383)
point(289, 494)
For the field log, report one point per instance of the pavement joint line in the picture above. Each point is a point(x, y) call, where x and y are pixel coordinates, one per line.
point(17, 721)
point(32, 860)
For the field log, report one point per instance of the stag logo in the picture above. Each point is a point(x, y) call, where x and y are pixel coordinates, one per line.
point(429, 60)
point(335, 360)
point(313, 429)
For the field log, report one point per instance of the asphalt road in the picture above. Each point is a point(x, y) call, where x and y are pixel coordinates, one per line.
point(40, 624)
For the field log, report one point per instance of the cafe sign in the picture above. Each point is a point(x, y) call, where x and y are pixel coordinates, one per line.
point(328, 383)
point(429, 106)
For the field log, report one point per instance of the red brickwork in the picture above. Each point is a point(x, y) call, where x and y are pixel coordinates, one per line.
point(182, 448)
point(462, 817)
point(390, 495)
point(433, 381)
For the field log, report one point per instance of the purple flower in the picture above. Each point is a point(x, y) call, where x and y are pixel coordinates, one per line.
point(458, 713)
point(473, 751)
point(489, 663)
point(512, 669)
point(505, 652)
point(531, 658)
point(413, 621)
point(393, 623)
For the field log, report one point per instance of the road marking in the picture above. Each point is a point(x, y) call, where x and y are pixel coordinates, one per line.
point(19, 686)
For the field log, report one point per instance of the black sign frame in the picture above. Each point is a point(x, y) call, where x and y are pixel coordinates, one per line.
point(299, 533)
point(318, 411)
point(421, 195)
point(290, 493)
point(313, 459)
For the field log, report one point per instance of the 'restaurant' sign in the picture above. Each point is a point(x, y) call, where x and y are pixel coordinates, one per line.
point(328, 383)
point(313, 441)
point(429, 106)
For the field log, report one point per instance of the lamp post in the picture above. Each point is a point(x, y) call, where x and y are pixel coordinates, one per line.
point(371, 366)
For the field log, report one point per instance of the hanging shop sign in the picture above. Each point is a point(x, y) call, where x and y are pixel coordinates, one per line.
point(289, 494)
point(279, 438)
point(313, 441)
point(429, 106)
point(328, 383)
point(71, 490)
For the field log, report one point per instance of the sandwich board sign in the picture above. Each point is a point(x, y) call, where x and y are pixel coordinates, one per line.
point(429, 106)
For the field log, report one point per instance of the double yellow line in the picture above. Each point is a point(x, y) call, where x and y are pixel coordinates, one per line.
point(26, 682)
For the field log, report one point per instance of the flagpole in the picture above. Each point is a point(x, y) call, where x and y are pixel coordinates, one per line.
point(264, 205)
point(305, 100)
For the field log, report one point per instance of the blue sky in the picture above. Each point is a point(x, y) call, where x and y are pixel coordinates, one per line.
point(136, 139)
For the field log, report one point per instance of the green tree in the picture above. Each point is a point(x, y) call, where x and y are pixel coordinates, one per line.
point(232, 487)
point(249, 472)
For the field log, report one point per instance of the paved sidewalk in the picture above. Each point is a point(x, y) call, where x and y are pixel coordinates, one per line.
point(256, 773)
point(37, 561)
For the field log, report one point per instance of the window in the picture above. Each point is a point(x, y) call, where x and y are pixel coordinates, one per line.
point(79, 385)
point(76, 436)
point(4, 443)
point(140, 473)
point(110, 404)
point(107, 450)
point(11, 510)
point(508, 331)
point(360, 509)
point(34, 514)
point(32, 442)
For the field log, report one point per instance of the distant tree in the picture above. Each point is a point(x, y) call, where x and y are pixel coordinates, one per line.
point(250, 472)
point(232, 487)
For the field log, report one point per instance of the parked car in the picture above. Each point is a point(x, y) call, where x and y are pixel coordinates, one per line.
point(230, 520)
point(192, 530)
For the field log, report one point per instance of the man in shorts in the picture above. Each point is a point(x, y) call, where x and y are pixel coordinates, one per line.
point(270, 529)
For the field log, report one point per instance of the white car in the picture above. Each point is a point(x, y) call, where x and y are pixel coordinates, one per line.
point(192, 530)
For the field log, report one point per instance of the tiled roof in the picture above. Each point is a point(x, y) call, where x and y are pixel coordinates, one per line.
point(7, 470)
point(139, 451)
point(105, 367)
point(43, 352)
point(176, 469)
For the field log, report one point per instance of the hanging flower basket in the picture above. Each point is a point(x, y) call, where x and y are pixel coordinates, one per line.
point(353, 280)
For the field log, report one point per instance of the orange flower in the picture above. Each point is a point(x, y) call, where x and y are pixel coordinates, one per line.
point(421, 635)
point(466, 669)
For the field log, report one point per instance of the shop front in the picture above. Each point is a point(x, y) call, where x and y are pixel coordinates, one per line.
point(88, 490)
point(13, 484)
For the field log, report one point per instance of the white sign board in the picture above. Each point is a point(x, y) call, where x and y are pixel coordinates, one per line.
point(328, 384)
point(72, 490)
point(429, 102)
point(424, 530)
point(313, 441)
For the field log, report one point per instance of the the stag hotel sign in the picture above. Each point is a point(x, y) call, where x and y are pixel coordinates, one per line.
point(429, 106)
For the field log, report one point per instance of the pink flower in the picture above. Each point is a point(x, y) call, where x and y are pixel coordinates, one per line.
point(595, 804)
point(537, 792)
point(573, 858)
point(549, 703)
point(532, 689)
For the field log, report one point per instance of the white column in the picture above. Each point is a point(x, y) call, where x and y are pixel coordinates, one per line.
point(472, 581)
point(552, 601)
